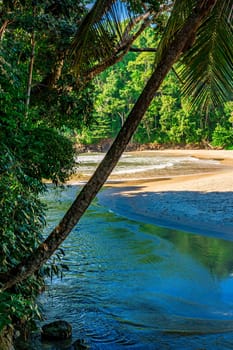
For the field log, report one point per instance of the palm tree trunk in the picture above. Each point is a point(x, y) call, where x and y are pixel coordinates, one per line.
point(33, 262)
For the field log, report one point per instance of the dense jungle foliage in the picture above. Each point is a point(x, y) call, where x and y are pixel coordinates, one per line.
point(44, 111)
point(33, 141)
point(169, 120)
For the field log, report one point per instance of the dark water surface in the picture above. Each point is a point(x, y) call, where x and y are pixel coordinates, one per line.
point(133, 285)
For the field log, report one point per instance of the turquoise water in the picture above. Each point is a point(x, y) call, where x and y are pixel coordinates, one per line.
point(134, 285)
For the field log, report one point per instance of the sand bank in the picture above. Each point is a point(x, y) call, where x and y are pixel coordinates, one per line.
point(197, 202)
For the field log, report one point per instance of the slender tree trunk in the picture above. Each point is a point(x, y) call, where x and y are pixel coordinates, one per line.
point(3, 28)
point(30, 73)
point(32, 263)
point(50, 81)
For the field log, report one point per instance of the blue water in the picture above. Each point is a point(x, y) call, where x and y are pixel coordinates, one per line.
point(134, 285)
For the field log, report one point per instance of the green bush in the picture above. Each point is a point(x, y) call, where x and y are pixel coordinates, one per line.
point(222, 137)
point(21, 223)
point(46, 154)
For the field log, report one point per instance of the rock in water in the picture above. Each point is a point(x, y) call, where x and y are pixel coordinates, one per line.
point(57, 330)
point(79, 344)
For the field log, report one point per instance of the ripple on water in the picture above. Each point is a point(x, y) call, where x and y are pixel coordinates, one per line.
point(138, 286)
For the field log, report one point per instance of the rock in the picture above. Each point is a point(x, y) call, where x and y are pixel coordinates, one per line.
point(32, 343)
point(57, 330)
point(79, 344)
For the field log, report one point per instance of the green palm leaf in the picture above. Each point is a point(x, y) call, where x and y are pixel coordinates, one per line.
point(179, 14)
point(99, 33)
point(207, 69)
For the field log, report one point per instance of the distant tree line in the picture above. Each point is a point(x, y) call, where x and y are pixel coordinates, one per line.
point(169, 119)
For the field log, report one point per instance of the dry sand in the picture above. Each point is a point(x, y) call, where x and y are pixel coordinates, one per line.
point(201, 203)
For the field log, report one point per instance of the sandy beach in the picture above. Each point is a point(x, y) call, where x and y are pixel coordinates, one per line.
point(194, 202)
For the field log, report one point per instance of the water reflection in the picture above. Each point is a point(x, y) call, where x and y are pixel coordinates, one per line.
point(139, 286)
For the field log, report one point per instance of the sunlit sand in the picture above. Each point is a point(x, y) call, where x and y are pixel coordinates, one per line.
point(196, 202)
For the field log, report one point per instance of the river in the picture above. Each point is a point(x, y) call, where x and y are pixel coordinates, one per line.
point(134, 285)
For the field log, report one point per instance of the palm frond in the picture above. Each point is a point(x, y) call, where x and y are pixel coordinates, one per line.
point(207, 68)
point(99, 33)
point(177, 17)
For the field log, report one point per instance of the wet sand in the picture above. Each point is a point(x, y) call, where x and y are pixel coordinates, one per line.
point(193, 201)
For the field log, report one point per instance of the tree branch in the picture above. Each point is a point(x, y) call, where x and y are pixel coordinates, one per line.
point(143, 49)
point(3, 28)
point(125, 45)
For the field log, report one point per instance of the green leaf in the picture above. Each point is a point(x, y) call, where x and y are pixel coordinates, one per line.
point(207, 68)
point(99, 33)
point(179, 14)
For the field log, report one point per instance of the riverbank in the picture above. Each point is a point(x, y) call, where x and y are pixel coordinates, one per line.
point(135, 285)
point(193, 202)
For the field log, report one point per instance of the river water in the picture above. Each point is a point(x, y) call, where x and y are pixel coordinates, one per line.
point(134, 285)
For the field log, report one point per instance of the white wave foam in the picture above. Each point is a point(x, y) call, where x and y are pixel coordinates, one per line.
point(130, 164)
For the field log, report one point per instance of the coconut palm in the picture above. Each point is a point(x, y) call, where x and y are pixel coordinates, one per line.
point(206, 69)
point(206, 66)
point(113, 26)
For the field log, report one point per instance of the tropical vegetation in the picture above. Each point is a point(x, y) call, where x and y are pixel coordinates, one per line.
point(50, 53)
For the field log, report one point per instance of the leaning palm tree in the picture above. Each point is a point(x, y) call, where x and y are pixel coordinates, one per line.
point(198, 36)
